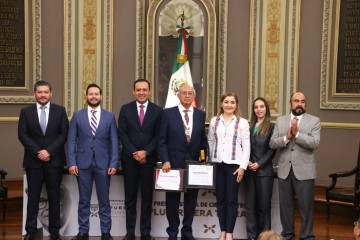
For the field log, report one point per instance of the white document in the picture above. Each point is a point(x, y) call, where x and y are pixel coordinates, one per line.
point(169, 180)
point(202, 175)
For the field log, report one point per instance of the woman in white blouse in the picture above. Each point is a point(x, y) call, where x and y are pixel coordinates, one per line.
point(229, 142)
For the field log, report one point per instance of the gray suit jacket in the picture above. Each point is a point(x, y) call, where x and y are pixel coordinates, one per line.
point(300, 154)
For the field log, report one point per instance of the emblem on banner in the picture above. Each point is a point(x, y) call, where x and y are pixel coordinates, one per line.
point(94, 210)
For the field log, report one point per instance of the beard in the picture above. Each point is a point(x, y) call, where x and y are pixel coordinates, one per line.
point(298, 113)
point(93, 105)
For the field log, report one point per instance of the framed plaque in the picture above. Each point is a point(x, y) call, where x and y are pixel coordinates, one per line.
point(170, 181)
point(200, 174)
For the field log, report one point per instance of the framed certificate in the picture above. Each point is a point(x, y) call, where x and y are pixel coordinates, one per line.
point(170, 181)
point(200, 174)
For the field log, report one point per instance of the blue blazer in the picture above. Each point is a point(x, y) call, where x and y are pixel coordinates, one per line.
point(172, 144)
point(134, 136)
point(83, 146)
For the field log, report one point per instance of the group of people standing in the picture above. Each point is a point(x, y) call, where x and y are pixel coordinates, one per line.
point(146, 134)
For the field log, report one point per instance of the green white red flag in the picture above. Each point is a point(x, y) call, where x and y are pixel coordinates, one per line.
point(181, 73)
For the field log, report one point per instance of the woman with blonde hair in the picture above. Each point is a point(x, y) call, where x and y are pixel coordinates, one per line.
point(270, 235)
point(229, 143)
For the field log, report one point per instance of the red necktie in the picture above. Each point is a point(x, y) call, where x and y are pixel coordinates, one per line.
point(187, 130)
point(186, 117)
point(142, 114)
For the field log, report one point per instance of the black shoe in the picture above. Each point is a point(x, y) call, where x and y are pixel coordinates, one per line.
point(29, 236)
point(147, 237)
point(129, 237)
point(106, 236)
point(81, 236)
point(55, 237)
point(188, 238)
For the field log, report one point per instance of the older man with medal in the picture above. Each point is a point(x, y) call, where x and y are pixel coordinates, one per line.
point(182, 136)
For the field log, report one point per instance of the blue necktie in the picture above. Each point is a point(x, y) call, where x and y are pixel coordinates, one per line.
point(43, 119)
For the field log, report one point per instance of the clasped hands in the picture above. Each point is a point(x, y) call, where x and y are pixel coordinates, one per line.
point(44, 155)
point(140, 156)
point(293, 130)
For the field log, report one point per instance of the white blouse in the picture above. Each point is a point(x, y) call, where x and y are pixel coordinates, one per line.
point(225, 137)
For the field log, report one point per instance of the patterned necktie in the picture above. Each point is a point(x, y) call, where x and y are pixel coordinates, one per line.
point(186, 116)
point(93, 124)
point(43, 119)
point(142, 114)
point(187, 130)
point(295, 119)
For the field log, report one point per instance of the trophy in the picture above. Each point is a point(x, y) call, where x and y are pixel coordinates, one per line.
point(202, 155)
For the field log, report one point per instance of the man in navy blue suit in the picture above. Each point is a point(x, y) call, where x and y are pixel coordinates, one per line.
point(182, 136)
point(42, 131)
point(93, 155)
point(139, 123)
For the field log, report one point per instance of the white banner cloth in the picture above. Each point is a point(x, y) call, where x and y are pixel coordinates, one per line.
point(205, 225)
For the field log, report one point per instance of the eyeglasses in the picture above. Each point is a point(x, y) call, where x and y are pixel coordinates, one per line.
point(187, 93)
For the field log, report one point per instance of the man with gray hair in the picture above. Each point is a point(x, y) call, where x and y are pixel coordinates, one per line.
point(182, 136)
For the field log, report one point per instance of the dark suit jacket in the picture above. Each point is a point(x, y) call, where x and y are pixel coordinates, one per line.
point(172, 144)
point(135, 137)
point(33, 140)
point(261, 153)
point(82, 145)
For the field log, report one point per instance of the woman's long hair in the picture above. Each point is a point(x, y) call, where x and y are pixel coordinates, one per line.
point(237, 112)
point(265, 125)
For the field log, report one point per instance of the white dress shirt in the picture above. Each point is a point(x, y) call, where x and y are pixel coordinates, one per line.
point(97, 114)
point(145, 104)
point(190, 114)
point(47, 110)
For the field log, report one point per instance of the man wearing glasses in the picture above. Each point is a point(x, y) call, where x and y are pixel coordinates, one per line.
point(182, 135)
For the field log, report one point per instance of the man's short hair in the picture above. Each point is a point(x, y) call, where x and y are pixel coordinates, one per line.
point(42, 83)
point(142, 80)
point(93, 85)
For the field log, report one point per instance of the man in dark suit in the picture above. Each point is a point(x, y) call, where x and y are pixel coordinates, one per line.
point(182, 136)
point(42, 130)
point(296, 136)
point(139, 123)
point(93, 155)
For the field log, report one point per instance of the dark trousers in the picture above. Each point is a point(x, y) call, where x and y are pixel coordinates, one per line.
point(305, 193)
point(136, 174)
point(52, 178)
point(258, 193)
point(172, 212)
point(227, 191)
point(102, 185)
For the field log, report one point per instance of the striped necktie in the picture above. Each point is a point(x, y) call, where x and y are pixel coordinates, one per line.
point(93, 124)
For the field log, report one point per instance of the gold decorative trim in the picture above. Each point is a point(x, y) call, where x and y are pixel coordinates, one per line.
point(37, 39)
point(210, 13)
point(274, 42)
point(327, 101)
point(88, 29)
point(222, 46)
point(140, 38)
point(35, 72)
point(9, 119)
point(341, 125)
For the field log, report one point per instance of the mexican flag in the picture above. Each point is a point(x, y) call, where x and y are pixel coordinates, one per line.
point(181, 73)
